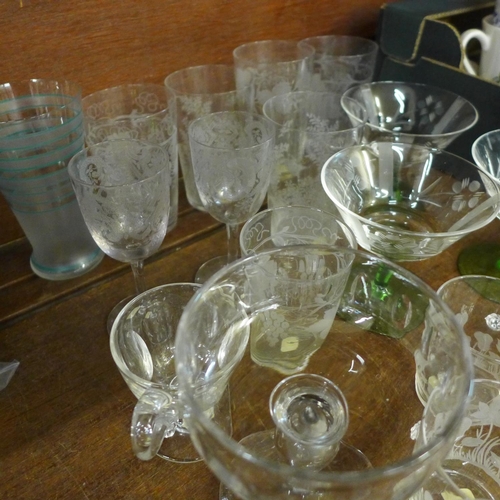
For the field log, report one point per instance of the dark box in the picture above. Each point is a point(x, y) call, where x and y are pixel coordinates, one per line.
point(420, 42)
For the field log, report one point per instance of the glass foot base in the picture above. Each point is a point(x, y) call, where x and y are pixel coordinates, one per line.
point(179, 449)
point(379, 302)
point(262, 445)
point(483, 258)
point(209, 268)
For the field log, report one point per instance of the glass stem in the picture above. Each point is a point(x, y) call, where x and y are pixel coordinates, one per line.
point(138, 271)
point(233, 241)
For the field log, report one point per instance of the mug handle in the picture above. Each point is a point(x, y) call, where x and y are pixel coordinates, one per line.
point(154, 419)
point(465, 38)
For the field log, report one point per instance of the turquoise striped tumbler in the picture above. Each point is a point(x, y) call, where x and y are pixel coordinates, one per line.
point(41, 128)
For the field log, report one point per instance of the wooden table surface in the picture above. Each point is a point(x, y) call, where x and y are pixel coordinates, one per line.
point(65, 416)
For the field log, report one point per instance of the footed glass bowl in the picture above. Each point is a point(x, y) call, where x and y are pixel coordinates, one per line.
point(322, 406)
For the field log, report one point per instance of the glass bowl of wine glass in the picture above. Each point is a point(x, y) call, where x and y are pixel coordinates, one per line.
point(409, 202)
point(484, 257)
point(410, 112)
point(322, 405)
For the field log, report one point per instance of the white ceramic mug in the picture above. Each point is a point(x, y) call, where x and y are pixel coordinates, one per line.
point(489, 38)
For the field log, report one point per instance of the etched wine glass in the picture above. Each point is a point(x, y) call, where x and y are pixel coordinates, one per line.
point(310, 127)
point(231, 153)
point(198, 91)
point(122, 187)
point(341, 61)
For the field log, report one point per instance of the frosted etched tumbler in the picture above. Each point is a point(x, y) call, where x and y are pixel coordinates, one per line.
point(141, 111)
point(200, 90)
point(272, 67)
point(41, 128)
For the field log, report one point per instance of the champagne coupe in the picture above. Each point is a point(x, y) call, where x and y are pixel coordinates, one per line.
point(408, 202)
point(413, 113)
point(122, 187)
point(322, 405)
point(231, 153)
point(142, 111)
point(340, 62)
point(484, 258)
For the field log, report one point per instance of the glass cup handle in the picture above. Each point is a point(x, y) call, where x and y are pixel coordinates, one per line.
point(465, 38)
point(154, 419)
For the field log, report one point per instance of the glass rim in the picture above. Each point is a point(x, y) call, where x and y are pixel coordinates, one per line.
point(113, 335)
point(240, 56)
point(414, 234)
point(100, 96)
point(478, 143)
point(189, 73)
point(263, 213)
point(464, 278)
point(371, 45)
point(71, 84)
point(73, 165)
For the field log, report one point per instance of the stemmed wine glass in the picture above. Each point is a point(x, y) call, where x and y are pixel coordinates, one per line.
point(484, 258)
point(232, 159)
point(122, 187)
point(407, 202)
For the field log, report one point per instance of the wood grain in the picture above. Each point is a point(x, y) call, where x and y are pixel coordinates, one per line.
point(102, 44)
